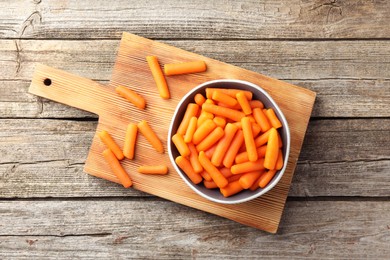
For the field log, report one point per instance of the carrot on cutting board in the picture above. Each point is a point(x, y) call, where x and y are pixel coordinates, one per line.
point(271, 153)
point(150, 135)
point(184, 68)
point(130, 140)
point(131, 96)
point(186, 166)
point(191, 111)
point(153, 169)
point(106, 138)
point(181, 146)
point(215, 174)
point(158, 76)
point(117, 168)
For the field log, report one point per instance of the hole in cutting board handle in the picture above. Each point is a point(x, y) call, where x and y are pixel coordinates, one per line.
point(47, 82)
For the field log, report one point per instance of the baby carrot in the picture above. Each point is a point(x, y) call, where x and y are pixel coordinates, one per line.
point(223, 111)
point(110, 143)
point(235, 145)
point(248, 138)
point(181, 146)
point(224, 144)
point(235, 177)
point(244, 103)
point(203, 130)
point(131, 96)
point(191, 129)
point(224, 98)
point(211, 139)
point(229, 91)
point(256, 103)
point(117, 168)
point(248, 167)
point(226, 172)
point(266, 177)
point(271, 154)
point(158, 76)
point(153, 169)
point(279, 162)
point(130, 140)
point(262, 139)
point(215, 174)
point(192, 110)
point(209, 152)
point(199, 99)
point(150, 135)
point(185, 165)
point(256, 129)
point(261, 119)
point(243, 157)
point(210, 184)
point(220, 121)
point(194, 158)
point(203, 117)
point(273, 119)
point(205, 175)
point(231, 189)
point(184, 68)
point(247, 179)
point(255, 184)
point(235, 107)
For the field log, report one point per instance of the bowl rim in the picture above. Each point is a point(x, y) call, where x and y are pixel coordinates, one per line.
point(192, 185)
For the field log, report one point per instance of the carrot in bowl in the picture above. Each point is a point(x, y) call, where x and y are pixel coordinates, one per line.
point(185, 165)
point(184, 68)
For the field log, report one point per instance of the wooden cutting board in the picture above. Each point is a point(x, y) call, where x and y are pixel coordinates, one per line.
point(131, 70)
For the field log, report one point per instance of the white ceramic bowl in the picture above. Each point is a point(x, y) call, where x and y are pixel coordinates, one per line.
point(259, 94)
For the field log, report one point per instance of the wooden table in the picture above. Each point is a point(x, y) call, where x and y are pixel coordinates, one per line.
point(338, 205)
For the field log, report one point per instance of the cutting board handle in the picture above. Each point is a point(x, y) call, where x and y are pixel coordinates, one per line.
point(69, 89)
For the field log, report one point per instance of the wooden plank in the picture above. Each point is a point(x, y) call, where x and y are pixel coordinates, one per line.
point(165, 230)
point(45, 158)
point(351, 79)
point(201, 19)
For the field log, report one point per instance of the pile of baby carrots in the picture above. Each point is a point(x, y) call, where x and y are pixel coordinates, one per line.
point(114, 154)
point(229, 141)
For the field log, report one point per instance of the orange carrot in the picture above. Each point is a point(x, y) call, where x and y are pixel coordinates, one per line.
point(255, 184)
point(229, 91)
point(199, 99)
point(224, 98)
point(266, 177)
point(185, 165)
point(256, 103)
point(215, 174)
point(244, 103)
point(223, 144)
point(235, 107)
point(262, 139)
point(210, 184)
point(192, 110)
point(223, 111)
point(130, 140)
point(211, 139)
point(226, 172)
point(271, 154)
point(209, 152)
point(131, 96)
point(220, 121)
point(256, 129)
point(181, 146)
point(248, 138)
point(273, 119)
point(150, 135)
point(194, 158)
point(203, 130)
point(235, 177)
point(235, 145)
point(279, 162)
point(158, 76)
point(191, 129)
point(243, 157)
point(247, 179)
point(261, 119)
point(153, 169)
point(231, 189)
point(117, 168)
point(248, 167)
point(203, 117)
point(106, 138)
point(205, 175)
point(184, 68)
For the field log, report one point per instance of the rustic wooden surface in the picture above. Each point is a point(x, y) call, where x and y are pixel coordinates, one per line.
point(338, 206)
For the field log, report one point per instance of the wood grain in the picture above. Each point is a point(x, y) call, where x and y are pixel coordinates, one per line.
point(193, 20)
point(152, 229)
point(115, 113)
point(357, 71)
